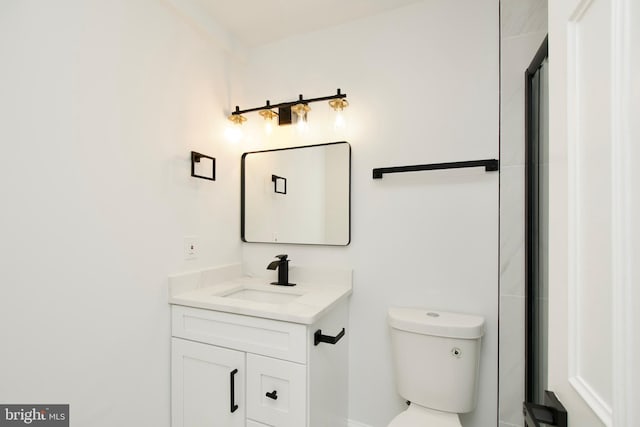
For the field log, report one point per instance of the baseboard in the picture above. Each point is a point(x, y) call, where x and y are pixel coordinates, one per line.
point(353, 423)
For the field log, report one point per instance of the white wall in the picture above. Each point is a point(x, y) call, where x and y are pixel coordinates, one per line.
point(423, 86)
point(523, 26)
point(100, 104)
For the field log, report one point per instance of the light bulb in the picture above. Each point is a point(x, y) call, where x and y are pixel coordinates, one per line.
point(268, 115)
point(233, 133)
point(302, 124)
point(338, 106)
point(301, 110)
point(340, 123)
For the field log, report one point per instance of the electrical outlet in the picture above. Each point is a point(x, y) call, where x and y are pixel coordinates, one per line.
point(190, 247)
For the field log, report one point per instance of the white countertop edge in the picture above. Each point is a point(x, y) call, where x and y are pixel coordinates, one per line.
point(273, 314)
point(318, 298)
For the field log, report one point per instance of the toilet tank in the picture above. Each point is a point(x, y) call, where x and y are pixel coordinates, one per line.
point(436, 356)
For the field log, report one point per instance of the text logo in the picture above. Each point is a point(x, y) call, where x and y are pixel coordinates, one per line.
point(34, 415)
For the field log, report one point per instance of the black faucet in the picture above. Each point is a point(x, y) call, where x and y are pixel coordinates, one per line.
point(282, 264)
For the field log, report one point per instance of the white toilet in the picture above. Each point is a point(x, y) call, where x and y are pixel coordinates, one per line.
point(435, 357)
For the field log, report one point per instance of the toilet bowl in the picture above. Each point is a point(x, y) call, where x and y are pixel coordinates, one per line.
point(436, 356)
point(418, 416)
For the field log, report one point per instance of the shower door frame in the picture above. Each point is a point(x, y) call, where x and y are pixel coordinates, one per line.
point(530, 320)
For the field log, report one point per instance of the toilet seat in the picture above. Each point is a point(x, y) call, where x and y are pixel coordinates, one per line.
point(419, 416)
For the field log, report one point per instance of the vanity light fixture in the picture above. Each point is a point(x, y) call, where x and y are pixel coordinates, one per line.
point(301, 111)
point(268, 114)
point(338, 106)
point(300, 107)
point(233, 132)
point(237, 118)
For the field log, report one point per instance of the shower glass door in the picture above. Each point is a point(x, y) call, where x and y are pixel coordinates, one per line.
point(537, 229)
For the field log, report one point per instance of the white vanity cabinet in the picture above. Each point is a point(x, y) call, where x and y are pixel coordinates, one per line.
point(232, 370)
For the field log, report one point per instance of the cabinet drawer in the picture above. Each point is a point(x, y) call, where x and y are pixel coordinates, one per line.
point(262, 336)
point(251, 423)
point(276, 391)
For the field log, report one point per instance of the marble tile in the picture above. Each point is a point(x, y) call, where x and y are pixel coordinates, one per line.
point(512, 231)
point(512, 141)
point(511, 377)
point(516, 55)
point(522, 16)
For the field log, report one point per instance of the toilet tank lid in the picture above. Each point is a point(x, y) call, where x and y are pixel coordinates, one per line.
point(436, 322)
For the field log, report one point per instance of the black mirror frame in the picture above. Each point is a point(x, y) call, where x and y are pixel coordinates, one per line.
point(243, 194)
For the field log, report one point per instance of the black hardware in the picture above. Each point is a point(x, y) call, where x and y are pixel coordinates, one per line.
point(552, 413)
point(490, 165)
point(195, 158)
point(289, 104)
point(318, 337)
point(273, 395)
point(232, 386)
point(278, 179)
point(284, 116)
point(282, 264)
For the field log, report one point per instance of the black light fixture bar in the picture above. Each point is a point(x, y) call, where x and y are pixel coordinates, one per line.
point(300, 100)
point(489, 165)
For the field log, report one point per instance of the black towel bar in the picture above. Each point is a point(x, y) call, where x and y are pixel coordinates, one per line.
point(489, 165)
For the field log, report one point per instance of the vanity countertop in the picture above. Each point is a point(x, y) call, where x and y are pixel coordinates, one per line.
point(218, 290)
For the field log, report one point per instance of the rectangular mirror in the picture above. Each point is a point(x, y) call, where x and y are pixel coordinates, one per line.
point(297, 195)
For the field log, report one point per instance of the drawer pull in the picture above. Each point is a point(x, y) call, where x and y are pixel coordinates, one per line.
point(232, 386)
point(273, 395)
point(318, 337)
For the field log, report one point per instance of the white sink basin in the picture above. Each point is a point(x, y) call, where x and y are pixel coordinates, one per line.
point(272, 297)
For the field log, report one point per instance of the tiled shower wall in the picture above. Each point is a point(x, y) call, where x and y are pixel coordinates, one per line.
point(523, 26)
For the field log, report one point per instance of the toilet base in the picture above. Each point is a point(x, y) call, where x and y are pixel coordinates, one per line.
point(419, 416)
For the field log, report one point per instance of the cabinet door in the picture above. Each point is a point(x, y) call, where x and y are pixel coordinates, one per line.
point(276, 391)
point(207, 385)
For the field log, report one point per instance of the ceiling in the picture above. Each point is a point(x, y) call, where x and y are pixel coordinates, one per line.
point(258, 22)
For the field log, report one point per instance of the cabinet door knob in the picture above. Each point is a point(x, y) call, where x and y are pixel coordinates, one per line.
point(273, 395)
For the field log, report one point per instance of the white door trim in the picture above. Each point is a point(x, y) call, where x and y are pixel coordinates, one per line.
point(621, 212)
point(575, 178)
